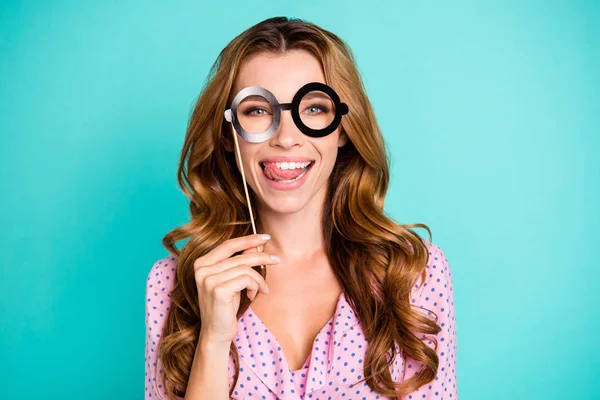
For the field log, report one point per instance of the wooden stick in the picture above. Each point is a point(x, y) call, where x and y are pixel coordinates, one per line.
point(237, 148)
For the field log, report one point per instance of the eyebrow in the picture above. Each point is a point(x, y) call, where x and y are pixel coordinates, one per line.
point(316, 94)
point(255, 97)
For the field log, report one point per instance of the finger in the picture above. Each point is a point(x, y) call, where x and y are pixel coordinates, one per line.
point(251, 293)
point(253, 259)
point(243, 263)
point(225, 290)
point(216, 278)
point(259, 249)
point(228, 248)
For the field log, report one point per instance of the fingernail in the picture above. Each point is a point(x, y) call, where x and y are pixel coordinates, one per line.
point(274, 257)
point(265, 236)
point(266, 289)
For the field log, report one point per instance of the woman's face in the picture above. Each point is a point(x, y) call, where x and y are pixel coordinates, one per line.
point(283, 75)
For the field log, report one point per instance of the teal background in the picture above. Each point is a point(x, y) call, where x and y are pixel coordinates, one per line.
point(492, 115)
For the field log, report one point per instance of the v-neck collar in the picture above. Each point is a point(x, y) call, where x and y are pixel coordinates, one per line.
point(261, 352)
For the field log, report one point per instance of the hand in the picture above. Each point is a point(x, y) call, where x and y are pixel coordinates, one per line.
point(220, 277)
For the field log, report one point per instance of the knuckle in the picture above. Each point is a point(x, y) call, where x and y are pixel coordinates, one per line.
point(200, 275)
point(199, 263)
point(257, 278)
point(240, 260)
point(251, 282)
point(229, 243)
point(220, 292)
point(210, 283)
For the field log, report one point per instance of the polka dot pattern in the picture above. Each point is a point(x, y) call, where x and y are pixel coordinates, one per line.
point(334, 368)
point(158, 301)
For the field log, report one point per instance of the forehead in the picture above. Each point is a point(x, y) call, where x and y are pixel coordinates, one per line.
point(281, 74)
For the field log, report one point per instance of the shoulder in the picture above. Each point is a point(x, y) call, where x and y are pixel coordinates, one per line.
point(159, 283)
point(438, 276)
point(437, 258)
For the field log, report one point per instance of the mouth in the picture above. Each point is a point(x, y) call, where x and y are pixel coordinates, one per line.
point(283, 173)
point(263, 164)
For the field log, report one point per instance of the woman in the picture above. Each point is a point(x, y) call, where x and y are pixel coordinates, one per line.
point(356, 306)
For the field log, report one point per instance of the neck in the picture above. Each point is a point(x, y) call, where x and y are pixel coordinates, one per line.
point(295, 236)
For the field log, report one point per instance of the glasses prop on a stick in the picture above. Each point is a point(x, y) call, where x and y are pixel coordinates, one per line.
point(255, 114)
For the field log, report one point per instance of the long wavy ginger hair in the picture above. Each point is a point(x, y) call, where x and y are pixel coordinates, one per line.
point(377, 260)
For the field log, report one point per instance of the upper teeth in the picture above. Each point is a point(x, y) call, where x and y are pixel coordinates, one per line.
point(291, 165)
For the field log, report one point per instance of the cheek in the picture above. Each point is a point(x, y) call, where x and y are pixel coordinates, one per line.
point(329, 157)
point(248, 154)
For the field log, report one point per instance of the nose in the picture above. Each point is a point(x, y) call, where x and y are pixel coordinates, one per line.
point(287, 135)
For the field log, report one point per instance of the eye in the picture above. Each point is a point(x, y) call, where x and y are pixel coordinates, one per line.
point(317, 109)
point(251, 111)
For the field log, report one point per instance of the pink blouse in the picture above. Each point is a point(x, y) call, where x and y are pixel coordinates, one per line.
point(335, 364)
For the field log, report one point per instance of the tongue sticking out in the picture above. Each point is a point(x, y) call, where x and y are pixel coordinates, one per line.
point(272, 172)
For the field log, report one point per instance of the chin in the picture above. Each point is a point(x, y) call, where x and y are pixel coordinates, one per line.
point(285, 206)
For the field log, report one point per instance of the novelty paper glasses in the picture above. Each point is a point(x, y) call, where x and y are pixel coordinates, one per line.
point(255, 112)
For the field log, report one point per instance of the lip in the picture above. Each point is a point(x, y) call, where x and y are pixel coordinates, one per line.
point(291, 185)
point(285, 159)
